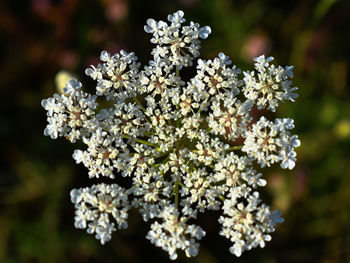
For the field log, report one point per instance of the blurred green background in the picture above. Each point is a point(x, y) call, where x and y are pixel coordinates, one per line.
point(40, 37)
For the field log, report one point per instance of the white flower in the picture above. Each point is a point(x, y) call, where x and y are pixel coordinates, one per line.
point(53, 128)
point(177, 44)
point(269, 142)
point(94, 73)
point(98, 205)
point(271, 86)
point(204, 32)
point(72, 86)
point(177, 19)
point(174, 233)
point(182, 147)
point(247, 226)
point(70, 114)
point(116, 76)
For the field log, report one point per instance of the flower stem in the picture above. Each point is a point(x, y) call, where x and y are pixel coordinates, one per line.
point(139, 103)
point(142, 141)
point(177, 193)
point(233, 148)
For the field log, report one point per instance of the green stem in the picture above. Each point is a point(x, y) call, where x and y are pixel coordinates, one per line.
point(144, 111)
point(233, 148)
point(182, 185)
point(222, 198)
point(177, 193)
point(143, 142)
point(147, 143)
point(139, 103)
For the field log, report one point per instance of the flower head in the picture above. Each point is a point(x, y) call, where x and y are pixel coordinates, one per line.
point(186, 147)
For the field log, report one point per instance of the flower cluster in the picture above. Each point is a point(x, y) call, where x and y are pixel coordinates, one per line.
point(185, 147)
point(96, 205)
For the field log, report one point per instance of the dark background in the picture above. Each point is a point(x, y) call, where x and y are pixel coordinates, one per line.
point(38, 38)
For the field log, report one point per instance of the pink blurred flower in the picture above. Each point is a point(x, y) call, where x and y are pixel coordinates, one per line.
point(256, 44)
point(41, 7)
point(115, 10)
point(69, 59)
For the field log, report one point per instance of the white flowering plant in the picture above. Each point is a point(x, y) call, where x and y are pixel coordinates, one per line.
point(186, 147)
